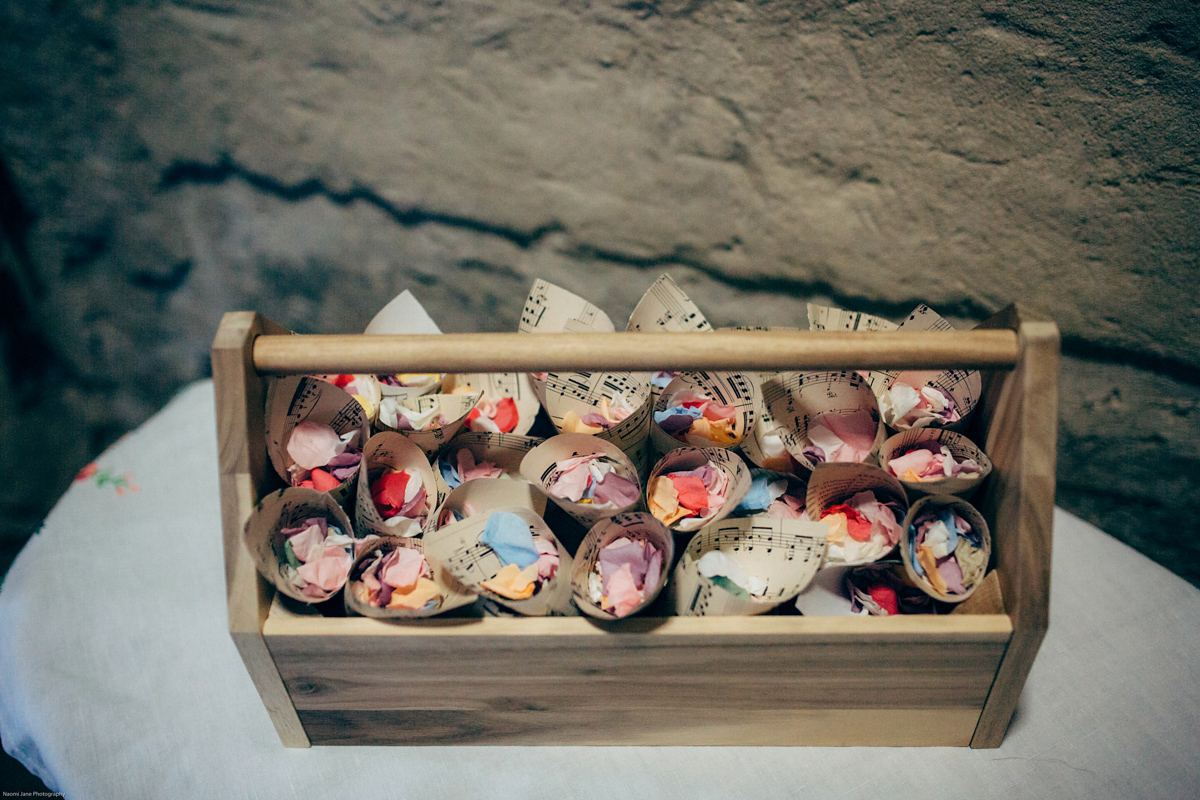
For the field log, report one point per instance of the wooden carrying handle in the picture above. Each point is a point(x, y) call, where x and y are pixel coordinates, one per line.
point(717, 350)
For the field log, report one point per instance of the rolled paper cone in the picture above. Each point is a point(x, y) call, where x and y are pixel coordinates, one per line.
point(688, 458)
point(959, 446)
point(799, 400)
point(963, 386)
point(451, 407)
point(517, 386)
point(832, 484)
point(366, 389)
point(666, 307)
point(737, 389)
point(637, 526)
point(483, 495)
point(403, 314)
point(383, 451)
point(301, 398)
point(765, 447)
point(797, 487)
point(540, 467)
point(458, 547)
point(580, 393)
point(973, 575)
point(452, 594)
point(783, 554)
point(505, 450)
point(414, 386)
point(290, 508)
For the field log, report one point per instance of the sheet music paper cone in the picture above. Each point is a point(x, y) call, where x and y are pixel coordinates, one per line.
point(452, 594)
point(389, 451)
point(301, 398)
point(782, 554)
point(960, 447)
point(459, 549)
point(636, 526)
point(292, 508)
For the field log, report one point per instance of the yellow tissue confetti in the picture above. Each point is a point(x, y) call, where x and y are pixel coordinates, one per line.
point(421, 593)
point(513, 582)
point(663, 501)
point(928, 562)
point(573, 424)
point(839, 528)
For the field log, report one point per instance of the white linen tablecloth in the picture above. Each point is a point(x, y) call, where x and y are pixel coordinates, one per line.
point(118, 678)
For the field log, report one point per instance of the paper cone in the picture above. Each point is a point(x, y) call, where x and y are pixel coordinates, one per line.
point(451, 407)
point(540, 467)
point(736, 389)
point(798, 400)
point(959, 446)
point(366, 389)
point(404, 315)
point(290, 508)
point(687, 458)
point(459, 549)
point(832, 484)
point(390, 450)
point(482, 495)
point(665, 307)
point(494, 387)
point(505, 450)
point(297, 399)
point(797, 488)
point(637, 525)
point(784, 554)
point(971, 578)
point(452, 593)
point(963, 386)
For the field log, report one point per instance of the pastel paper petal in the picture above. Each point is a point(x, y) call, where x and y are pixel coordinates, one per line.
point(312, 445)
point(510, 537)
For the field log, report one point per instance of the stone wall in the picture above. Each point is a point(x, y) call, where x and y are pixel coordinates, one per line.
point(164, 162)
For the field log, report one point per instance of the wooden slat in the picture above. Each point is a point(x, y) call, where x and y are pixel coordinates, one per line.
point(943, 727)
point(242, 463)
point(741, 350)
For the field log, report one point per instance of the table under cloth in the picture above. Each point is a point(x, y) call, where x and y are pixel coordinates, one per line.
point(118, 677)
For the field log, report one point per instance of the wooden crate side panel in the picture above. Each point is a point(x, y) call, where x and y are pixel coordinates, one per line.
point(640, 688)
point(1024, 438)
point(243, 467)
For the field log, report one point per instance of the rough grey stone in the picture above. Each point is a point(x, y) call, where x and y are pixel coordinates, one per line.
point(169, 161)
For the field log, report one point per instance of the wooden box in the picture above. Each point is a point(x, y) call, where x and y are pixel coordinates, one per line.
point(768, 680)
